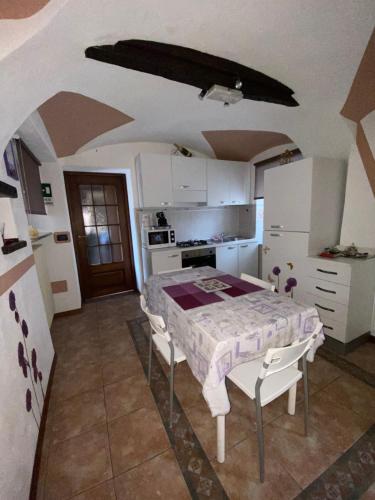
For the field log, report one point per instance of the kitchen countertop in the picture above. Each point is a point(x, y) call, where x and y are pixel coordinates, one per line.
point(210, 244)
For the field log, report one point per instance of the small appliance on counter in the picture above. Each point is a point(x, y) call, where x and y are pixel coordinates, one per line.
point(162, 221)
point(158, 237)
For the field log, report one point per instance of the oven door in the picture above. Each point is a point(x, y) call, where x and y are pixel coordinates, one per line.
point(199, 258)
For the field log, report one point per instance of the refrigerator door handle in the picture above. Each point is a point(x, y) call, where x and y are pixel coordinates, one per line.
point(276, 234)
point(276, 226)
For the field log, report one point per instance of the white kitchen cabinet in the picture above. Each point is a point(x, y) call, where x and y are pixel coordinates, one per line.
point(166, 260)
point(227, 259)
point(228, 183)
point(189, 173)
point(248, 259)
point(154, 178)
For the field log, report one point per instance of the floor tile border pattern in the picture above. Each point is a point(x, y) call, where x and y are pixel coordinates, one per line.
point(349, 367)
point(195, 466)
point(350, 476)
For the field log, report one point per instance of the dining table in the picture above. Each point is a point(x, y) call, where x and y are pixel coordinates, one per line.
point(218, 330)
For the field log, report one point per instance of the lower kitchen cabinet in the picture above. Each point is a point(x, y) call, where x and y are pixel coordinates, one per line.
point(248, 259)
point(227, 259)
point(166, 260)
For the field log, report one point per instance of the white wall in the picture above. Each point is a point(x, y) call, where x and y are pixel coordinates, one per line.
point(358, 223)
point(18, 429)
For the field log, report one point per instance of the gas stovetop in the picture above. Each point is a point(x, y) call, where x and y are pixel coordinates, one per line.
point(191, 243)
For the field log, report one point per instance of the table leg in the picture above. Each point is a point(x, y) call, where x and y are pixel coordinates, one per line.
point(220, 419)
point(292, 400)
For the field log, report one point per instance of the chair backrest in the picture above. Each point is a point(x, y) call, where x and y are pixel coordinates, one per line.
point(156, 322)
point(175, 270)
point(278, 359)
point(258, 282)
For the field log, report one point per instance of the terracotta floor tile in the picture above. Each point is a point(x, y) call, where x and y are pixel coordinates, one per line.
point(152, 480)
point(240, 474)
point(364, 357)
point(136, 438)
point(321, 372)
point(369, 494)
point(187, 388)
point(104, 491)
point(127, 396)
point(112, 349)
point(121, 368)
point(77, 381)
point(78, 414)
point(351, 393)
point(304, 457)
point(77, 464)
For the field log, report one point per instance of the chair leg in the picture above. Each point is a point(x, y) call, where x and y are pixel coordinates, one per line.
point(171, 385)
point(306, 392)
point(149, 358)
point(260, 436)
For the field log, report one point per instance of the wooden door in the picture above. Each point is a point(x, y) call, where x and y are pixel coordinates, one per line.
point(99, 214)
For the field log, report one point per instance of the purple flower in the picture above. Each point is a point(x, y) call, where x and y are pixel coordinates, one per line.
point(276, 270)
point(40, 376)
point(17, 316)
point(12, 301)
point(35, 373)
point(21, 357)
point(291, 282)
point(25, 329)
point(33, 358)
point(28, 400)
point(287, 288)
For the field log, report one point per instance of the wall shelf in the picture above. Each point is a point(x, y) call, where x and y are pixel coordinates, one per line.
point(7, 191)
point(12, 247)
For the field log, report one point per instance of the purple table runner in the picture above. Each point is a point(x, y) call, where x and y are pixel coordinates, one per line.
point(188, 296)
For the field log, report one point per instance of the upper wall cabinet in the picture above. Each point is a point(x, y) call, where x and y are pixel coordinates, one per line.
point(189, 179)
point(228, 183)
point(154, 180)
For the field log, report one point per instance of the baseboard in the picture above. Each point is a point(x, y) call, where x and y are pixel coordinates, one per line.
point(338, 347)
point(42, 428)
point(71, 312)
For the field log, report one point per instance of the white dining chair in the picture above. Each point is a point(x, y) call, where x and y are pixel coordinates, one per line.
point(268, 378)
point(160, 336)
point(256, 281)
point(175, 270)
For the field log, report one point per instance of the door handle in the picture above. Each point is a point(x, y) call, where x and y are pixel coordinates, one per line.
point(328, 327)
point(184, 186)
point(173, 256)
point(80, 236)
point(231, 248)
point(325, 308)
point(276, 234)
point(244, 246)
point(325, 290)
point(326, 272)
point(275, 226)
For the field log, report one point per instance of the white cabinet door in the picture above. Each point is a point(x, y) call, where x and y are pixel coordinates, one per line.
point(189, 173)
point(287, 196)
point(227, 259)
point(248, 259)
point(286, 252)
point(167, 260)
point(218, 189)
point(154, 180)
point(239, 182)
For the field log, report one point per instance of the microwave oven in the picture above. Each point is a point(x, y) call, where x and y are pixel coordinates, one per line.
point(158, 237)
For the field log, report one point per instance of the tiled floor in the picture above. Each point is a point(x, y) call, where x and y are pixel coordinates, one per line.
point(105, 437)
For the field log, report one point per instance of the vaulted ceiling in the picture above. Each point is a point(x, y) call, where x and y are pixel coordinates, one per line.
point(313, 47)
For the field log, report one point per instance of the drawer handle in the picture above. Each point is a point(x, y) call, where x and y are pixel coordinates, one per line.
point(184, 186)
point(328, 327)
point(276, 227)
point(326, 272)
point(244, 246)
point(325, 290)
point(173, 256)
point(231, 248)
point(275, 234)
point(325, 308)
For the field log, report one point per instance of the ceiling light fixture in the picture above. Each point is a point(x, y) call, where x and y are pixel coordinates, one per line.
point(222, 94)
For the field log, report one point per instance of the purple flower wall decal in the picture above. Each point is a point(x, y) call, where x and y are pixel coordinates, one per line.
point(33, 358)
point(287, 288)
point(17, 316)
point(40, 376)
point(276, 270)
point(12, 301)
point(291, 282)
point(28, 400)
point(25, 328)
point(21, 357)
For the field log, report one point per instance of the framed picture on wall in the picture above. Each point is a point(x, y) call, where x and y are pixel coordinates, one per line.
point(11, 160)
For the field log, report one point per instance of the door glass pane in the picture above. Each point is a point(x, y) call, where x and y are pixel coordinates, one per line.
point(88, 216)
point(117, 253)
point(91, 236)
point(105, 254)
point(101, 216)
point(93, 256)
point(98, 195)
point(110, 195)
point(86, 195)
point(112, 214)
point(103, 235)
point(114, 232)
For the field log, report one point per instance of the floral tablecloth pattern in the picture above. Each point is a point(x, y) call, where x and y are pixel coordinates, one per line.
point(217, 337)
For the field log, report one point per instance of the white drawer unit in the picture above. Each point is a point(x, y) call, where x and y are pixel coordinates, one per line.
point(227, 259)
point(342, 290)
point(167, 260)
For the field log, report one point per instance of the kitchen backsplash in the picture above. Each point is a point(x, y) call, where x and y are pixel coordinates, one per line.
point(203, 223)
